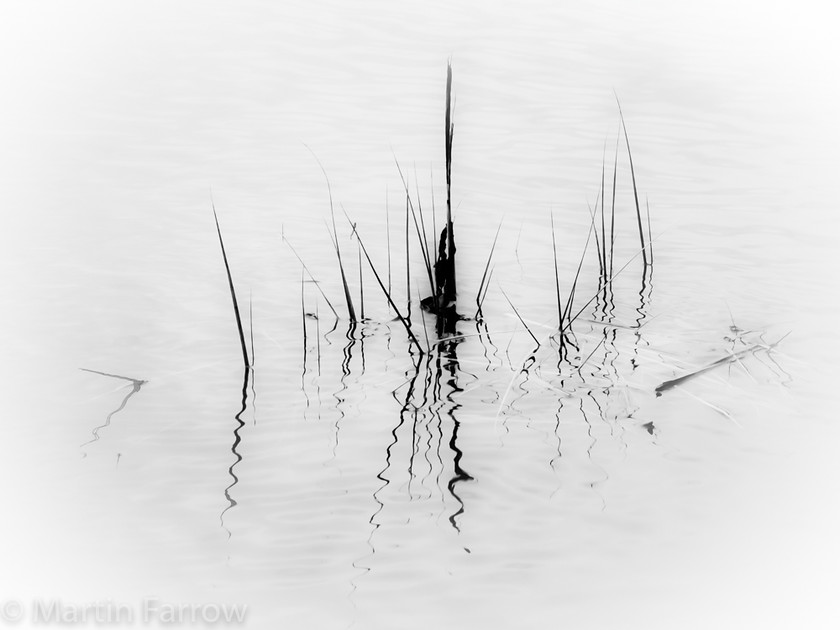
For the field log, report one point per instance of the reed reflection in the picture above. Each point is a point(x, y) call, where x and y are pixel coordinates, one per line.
point(136, 384)
point(237, 457)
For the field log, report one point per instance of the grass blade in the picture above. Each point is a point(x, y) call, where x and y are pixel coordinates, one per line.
point(635, 190)
point(384, 290)
point(421, 236)
point(556, 275)
point(520, 318)
point(334, 237)
point(450, 291)
point(311, 277)
point(232, 291)
point(484, 278)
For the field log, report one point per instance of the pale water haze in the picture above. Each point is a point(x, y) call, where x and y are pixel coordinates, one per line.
point(500, 479)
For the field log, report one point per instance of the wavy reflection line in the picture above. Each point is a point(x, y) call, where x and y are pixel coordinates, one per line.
point(237, 456)
point(425, 404)
point(435, 437)
point(429, 406)
point(591, 447)
point(460, 474)
point(347, 356)
point(554, 459)
point(645, 297)
point(382, 475)
point(136, 384)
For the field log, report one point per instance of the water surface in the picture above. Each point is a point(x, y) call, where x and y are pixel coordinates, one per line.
point(364, 486)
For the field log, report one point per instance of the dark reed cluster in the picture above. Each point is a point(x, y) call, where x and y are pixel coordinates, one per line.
point(438, 252)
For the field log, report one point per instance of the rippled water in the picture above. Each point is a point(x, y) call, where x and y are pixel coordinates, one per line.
point(351, 482)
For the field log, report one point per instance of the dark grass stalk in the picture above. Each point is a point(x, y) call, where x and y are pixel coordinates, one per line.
point(385, 291)
point(351, 312)
point(450, 236)
point(251, 328)
point(407, 256)
point(425, 238)
point(484, 277)
point(361, 283)
point(388, 236)
point(318, 337)
point(650, 235)
point(424, 245)
point(434, 212)
point(612, 208)
point(334, 236)
point(556, 275)
point(635, 190)
point(571, 299)
point(593, 216)
point(311, 277)
point(486, 287)
point(232, 292)
point(520, 318)
point(303, 317)
point(603, 226)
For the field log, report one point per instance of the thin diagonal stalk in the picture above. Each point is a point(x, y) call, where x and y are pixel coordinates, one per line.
point(556, 275)
point(486, 269)
point(384, 290)
point(520, 317)
point(350, 310)
point(311, 277)
point(232, 292)
point(635, 190)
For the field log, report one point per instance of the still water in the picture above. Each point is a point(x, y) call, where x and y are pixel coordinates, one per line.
point(347, 481)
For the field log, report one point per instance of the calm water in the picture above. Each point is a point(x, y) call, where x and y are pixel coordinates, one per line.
point(481, 486)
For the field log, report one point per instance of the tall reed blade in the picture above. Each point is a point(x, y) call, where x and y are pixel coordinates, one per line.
point(347, 298)
point(650, 235)
point(407, 256)
point(486, 288)
point(450, 288)
point(612, 209)
point(484, 277)
point(361, 284)
point(334, 237)
point(311, 277)
point(421, 234)
point(385, 290)
point(251, 329)
point(556, 275)
point(603, 226)
point(533, 336)
point(635, 190)
point(571, 298)
point(303, 317)
point(388, 237)
point(232, 292)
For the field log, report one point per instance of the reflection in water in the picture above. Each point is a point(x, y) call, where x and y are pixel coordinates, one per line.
point(645, 296)
point(448, 351)
point(583, 372)
point(136, 384)
point(237, 457)
point(340, 395)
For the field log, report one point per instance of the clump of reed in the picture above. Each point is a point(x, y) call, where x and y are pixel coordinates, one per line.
point(438, 256)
